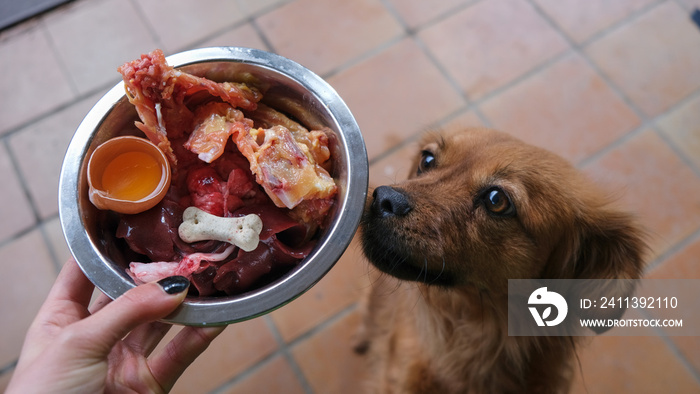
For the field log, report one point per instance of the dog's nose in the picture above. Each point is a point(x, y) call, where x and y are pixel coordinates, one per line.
point(391, 202)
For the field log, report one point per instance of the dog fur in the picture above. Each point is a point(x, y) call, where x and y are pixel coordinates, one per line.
point(480, 207)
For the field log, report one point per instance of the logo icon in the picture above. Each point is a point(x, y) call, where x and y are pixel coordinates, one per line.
point(543, 297)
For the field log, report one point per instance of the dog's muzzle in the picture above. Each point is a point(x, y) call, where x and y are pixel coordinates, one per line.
point(389, 201)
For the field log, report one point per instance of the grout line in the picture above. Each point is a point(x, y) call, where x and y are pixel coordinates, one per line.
point(672, 250)
point(413, 34)
point(23, 185)
point(57, 55)
point(547, 63)
point(53, 254)
point(364, 56)
point(38, 220)
point(323, 325)
point(284, 348)
point(263, 37)
point(669, 141)
point(265, 10)
point(245, 374)
point(149, 26)
point(578, 49)
point(250, 18)
point(374, 51)
point(199, 42)
point(631, 18)
point(677, 151)
point(435, 20)
point(673, 348)
point(408, 32)
point(253, 20)
point(595, 156)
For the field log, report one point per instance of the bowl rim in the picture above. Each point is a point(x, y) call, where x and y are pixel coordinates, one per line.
point(208, 311)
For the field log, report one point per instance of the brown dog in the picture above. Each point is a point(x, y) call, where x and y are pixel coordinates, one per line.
point(480, 207)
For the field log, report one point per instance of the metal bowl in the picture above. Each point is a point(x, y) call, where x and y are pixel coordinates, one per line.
point(289, 88)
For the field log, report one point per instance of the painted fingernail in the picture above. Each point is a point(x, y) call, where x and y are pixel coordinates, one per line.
point(174, 284)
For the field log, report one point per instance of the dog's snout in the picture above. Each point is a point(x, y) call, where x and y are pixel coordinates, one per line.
point(391, 202)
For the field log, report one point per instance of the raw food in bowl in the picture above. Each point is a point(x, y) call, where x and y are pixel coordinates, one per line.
point(231, 157)
point(247, 133)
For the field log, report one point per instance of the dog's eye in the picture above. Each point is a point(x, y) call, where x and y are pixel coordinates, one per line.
point(427, 161)
point(498, 202)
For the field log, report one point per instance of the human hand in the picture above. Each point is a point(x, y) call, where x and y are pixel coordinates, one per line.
point(107, 348)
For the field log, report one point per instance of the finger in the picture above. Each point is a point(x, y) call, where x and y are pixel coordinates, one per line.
point(100, 302)
point(146, 337)
point(178, 354)
point(65, 304)
point(71, 289)
point(142, 304)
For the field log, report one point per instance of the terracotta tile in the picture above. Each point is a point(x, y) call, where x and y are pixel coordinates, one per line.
point(42, 87)
point(293, 31)
point(376, 92)
point(398, 165)
point(395, 167)
point(239, 347)
point(256, 6)
point(465, 119)
point(275, 376)
point(566, 108)
point(654, 184)
point(95, 37)
point(39, 149)
point(184, 22)
point(28, 273)
point(682, 126)
point(417, 12)
point(339, 289)
point(482, 55)
point(582, 19)
point(652, 59)
point(15, 210)
point(683, 265)
point(689, 346)
point(327, 359)
point(642, 364)
point(242, 36)
point(57, 241)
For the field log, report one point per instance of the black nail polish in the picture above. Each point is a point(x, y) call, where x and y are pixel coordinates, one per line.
point(174, 284)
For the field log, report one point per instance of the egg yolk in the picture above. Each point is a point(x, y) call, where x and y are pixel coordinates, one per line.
point(132, 176)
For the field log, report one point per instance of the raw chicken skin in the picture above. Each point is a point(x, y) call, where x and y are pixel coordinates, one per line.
point(215, 122)
point(282, 168)
point(158, 92)
point(190, 264)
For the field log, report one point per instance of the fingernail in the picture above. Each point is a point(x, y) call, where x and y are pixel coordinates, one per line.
point(174, 284)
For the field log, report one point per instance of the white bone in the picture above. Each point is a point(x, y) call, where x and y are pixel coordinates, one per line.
point(198, 225)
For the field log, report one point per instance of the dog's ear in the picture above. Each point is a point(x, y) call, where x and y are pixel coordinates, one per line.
point(610, 246)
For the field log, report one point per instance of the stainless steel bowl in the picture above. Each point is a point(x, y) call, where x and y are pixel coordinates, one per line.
point(289, 87)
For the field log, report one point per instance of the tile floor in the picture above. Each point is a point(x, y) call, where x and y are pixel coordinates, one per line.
point(613, 86)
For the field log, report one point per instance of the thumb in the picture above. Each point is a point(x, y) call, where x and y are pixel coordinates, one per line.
point(142, 304)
